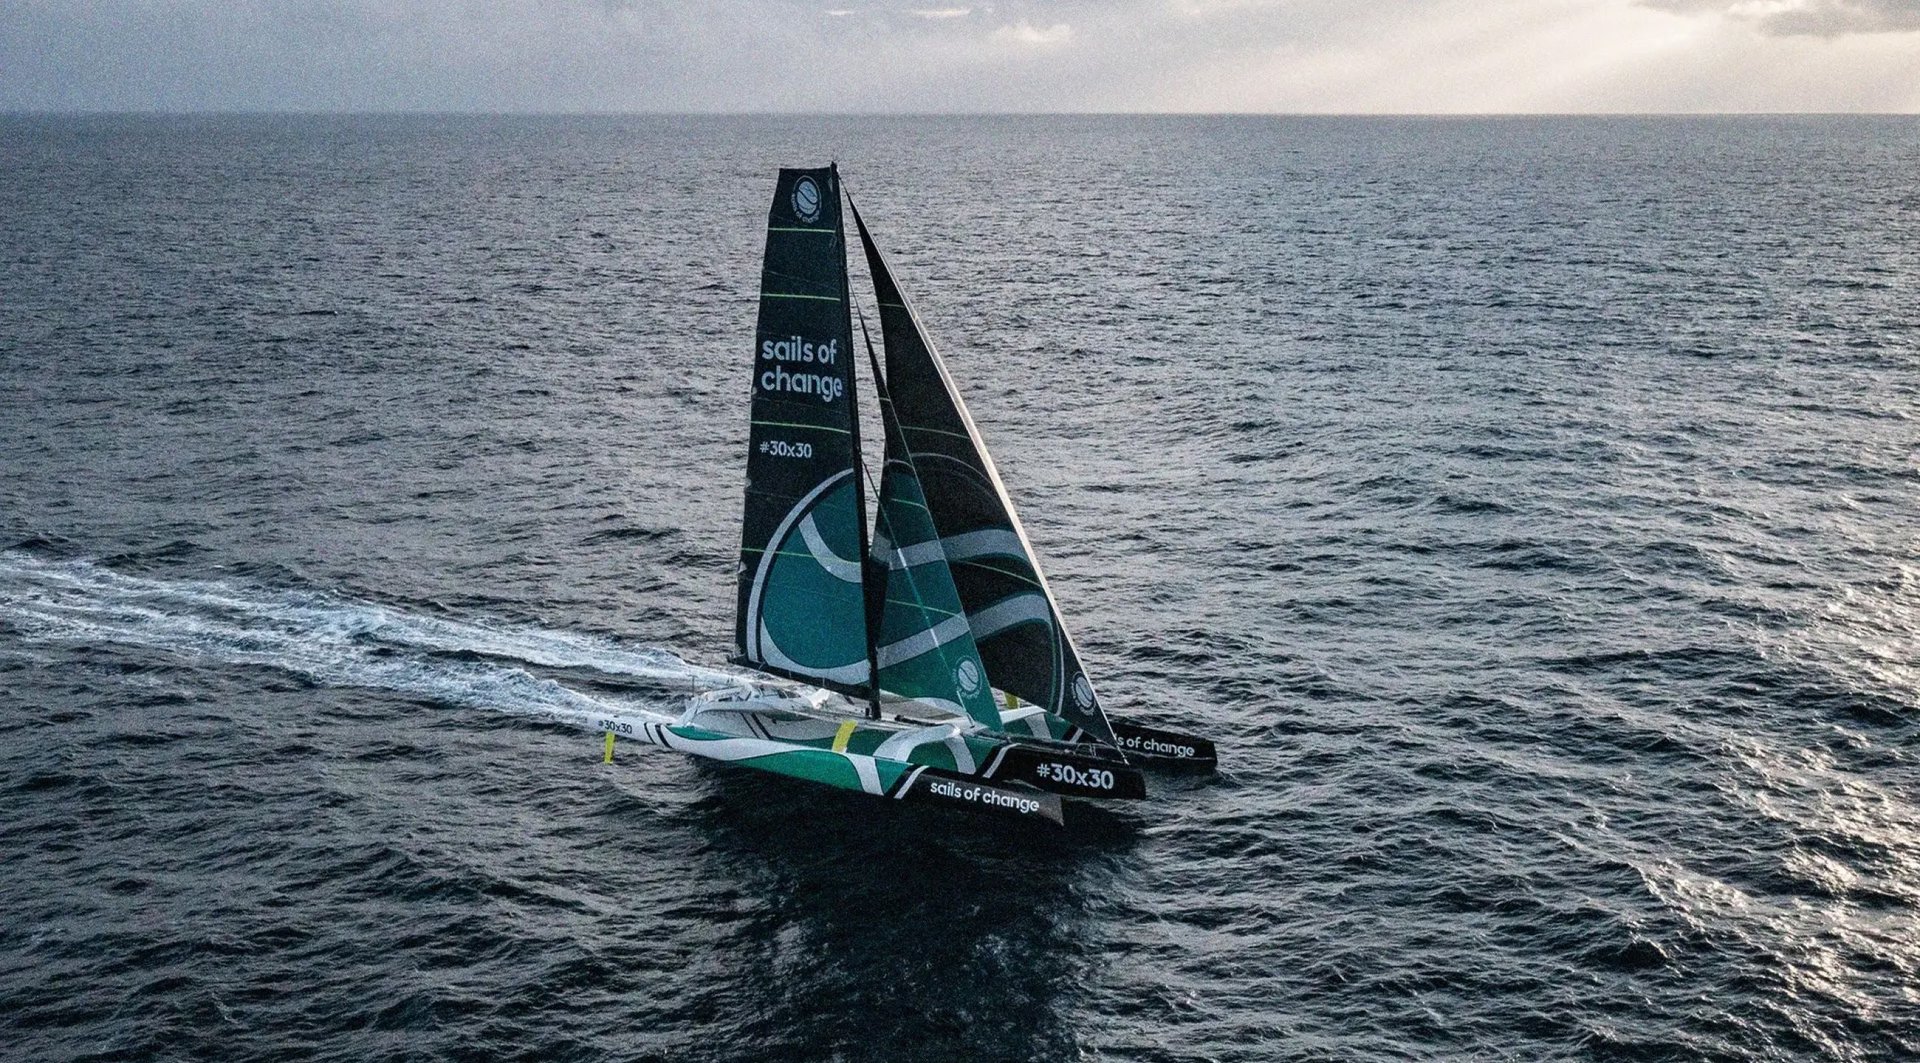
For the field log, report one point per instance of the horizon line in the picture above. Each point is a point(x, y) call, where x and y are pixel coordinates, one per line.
point(295, 112)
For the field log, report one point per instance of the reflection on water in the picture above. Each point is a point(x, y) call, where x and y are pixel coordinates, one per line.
point(897, 933)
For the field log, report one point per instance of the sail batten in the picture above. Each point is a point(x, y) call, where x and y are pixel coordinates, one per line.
point(1014, 620)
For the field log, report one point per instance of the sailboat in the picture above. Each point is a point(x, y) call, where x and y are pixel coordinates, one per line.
point(922, 657)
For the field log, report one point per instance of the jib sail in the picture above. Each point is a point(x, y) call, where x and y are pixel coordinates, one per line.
point(801, 609)
point(1010, 610)
point(923, 646)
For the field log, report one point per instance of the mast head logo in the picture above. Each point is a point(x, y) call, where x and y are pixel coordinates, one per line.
point(806, 200)
point(967, 675)
point(1082, 691)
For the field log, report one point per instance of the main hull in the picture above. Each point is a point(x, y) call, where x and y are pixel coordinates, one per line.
point(877, 776)
point(948, 745)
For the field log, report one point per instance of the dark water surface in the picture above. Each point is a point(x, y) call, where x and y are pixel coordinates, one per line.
point(1528, 507)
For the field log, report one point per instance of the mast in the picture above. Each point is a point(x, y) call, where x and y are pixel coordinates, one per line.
point(869, 608)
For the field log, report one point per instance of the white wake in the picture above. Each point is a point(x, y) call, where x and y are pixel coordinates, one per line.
point(338, 641)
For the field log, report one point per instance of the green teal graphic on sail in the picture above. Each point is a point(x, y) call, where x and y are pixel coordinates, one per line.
point(808, 575)
point(801, 609)
point(924, 646)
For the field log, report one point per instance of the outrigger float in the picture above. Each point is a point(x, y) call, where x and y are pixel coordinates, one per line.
point(926, 661)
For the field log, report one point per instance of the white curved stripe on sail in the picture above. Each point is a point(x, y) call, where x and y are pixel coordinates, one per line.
point(1002, 542)
point(838, 567)
point(770, 652)
point(1006, 613)
point(909, 556)
point(987, 542)
point(921, 641)
point(754, 627)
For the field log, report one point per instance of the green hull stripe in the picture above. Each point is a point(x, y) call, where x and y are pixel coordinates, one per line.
point(800, 762)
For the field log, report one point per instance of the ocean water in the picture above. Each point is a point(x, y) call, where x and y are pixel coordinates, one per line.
point(1529, 509)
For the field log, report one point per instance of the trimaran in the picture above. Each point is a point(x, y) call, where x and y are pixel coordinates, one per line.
point(927, 661)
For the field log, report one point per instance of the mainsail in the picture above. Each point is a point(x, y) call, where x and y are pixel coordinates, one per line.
point(1009, 608)
point(801, 609)
point(923, 644)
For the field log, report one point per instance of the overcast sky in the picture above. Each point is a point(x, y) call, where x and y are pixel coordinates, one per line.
point(953, 55)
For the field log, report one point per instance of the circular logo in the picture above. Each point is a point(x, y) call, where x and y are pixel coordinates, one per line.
point(1083, 691)
point(806, 199)
point(968, 677)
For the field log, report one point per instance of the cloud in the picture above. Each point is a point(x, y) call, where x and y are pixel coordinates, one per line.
point(1394, 56)
point(1027, 35)
point(1212, 8)
point(1809, 18)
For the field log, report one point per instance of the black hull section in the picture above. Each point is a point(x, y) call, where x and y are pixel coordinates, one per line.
point(1072, 774)
point(1165, 749)
point(932, 786)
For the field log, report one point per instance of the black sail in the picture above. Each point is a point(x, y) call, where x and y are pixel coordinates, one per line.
point(801, 609)
point(1015, 622)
